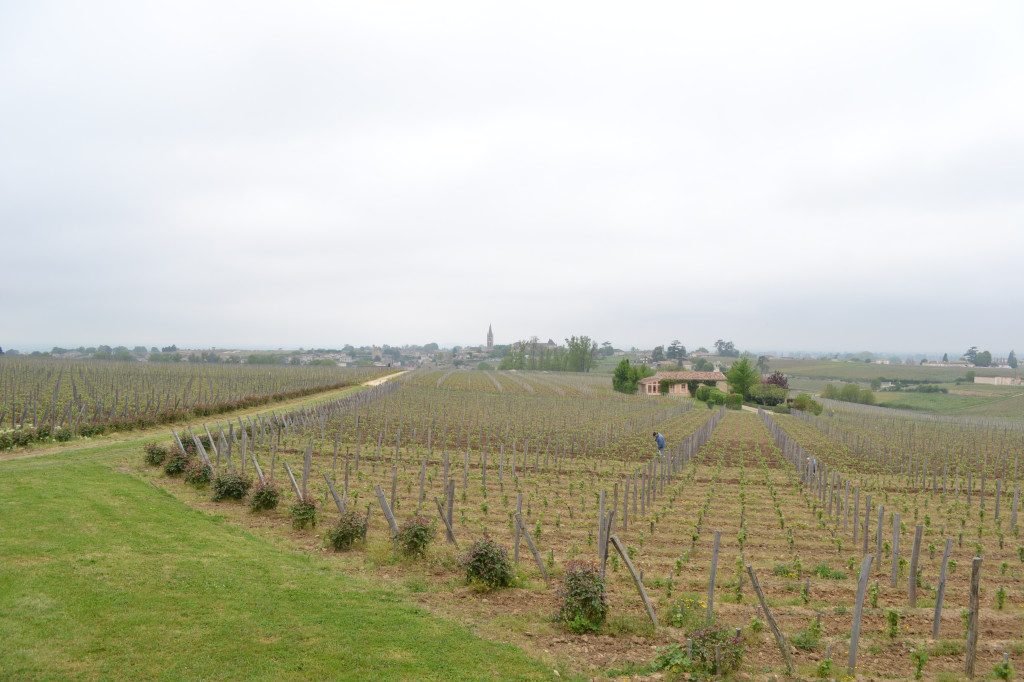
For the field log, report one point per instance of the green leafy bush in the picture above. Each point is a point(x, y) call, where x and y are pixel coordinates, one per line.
point(734, 401)
point(304, 514)
point(767, 394)
point(63, 434)
point(415, 535)
point(155, 454)
point(703, 393)
point(197, 473)
point(805, 403)
point(176, 463)
point(487, 564)
point(230, 486)
point(350, 529)
point(265, 496)
point(584, 607)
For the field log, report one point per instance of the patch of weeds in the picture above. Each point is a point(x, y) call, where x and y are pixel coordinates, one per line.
point(824, 571)
point(948, 647)
point(687, 613)
point(808, 638)
point(416, 585)
point(629, 624)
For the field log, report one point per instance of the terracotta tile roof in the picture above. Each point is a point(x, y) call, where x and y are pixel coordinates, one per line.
point(684, 376)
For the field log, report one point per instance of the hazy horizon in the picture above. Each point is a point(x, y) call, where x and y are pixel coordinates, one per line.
point(796, 175)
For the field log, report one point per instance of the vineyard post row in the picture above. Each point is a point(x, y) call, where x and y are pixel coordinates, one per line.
point(825, 484)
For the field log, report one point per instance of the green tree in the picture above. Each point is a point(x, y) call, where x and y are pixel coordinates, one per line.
point(626, 376)
point(1011, 359)
point(971, 354)
point(703, 365)
point(945, 357)
point(726, 349)
point(676, 350)
point(762, 364)
point(982, 359)
point(658, 354)
point(742, 376)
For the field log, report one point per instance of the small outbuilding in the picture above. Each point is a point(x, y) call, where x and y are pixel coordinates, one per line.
point(681, 383)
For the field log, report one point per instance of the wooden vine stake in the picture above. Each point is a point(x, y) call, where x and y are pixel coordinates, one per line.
point(295, 484)
point(779, 639)
point(636, 578)
point(858, 610)
point(386, 508)
point(714, 572)
point(533, 548)
point(338, 501)
point(449, 533)
point(941, 589)
point(972, 617)
point(912, 584)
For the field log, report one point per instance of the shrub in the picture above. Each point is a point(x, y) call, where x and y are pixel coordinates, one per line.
point(155, 454)
point(264, 496)
point(197, 473)
point(767, 394)
point(63, 435)
point(805, 403)
point(350, 529)
point(781, 409)
point(734, 401)
point(487, 564)
point(176, 463)
point(584, 608)
point(415, 535)
point(304, 513)
point(230, 486)
point(702, 393)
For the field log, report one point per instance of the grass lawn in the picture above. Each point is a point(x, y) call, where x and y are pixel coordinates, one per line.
point(105, 576)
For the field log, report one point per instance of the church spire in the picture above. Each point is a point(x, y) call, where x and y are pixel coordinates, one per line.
point(490, 336)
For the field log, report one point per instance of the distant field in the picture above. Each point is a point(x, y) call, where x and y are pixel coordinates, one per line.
point(862, 371)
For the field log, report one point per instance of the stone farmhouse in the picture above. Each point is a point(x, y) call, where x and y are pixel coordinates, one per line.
point(680, 386)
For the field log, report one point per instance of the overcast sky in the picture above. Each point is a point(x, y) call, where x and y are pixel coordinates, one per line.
point(788, 176)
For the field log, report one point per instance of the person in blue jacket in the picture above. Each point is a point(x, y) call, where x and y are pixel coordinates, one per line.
point(660, 440)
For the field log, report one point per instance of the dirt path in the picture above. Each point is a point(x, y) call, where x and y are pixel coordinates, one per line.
point(163, 430)
point(380, 380)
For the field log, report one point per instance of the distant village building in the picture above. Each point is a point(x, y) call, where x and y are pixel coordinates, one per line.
point(652, 385)
point(998, 381)
point(490, 338)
